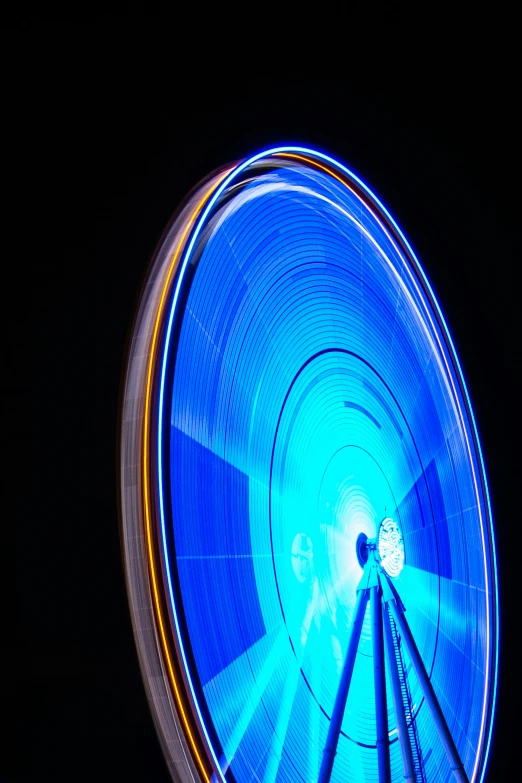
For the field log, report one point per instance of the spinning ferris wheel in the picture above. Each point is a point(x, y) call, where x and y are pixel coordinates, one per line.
point(305, 518)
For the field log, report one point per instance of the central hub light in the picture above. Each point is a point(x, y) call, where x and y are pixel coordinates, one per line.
point(390, 546)
point(361, 548)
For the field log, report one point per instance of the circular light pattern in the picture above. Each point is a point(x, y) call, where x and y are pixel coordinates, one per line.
point(391, 547)
point(290, 383)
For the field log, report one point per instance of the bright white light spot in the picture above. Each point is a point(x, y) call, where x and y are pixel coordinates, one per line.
point(391, 547)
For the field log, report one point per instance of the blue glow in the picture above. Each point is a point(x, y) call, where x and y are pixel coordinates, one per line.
point(312, 373)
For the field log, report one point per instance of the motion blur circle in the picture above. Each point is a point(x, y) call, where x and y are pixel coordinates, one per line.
point(291, 392)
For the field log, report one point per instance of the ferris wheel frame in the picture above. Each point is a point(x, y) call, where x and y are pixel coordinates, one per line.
point(152, 443)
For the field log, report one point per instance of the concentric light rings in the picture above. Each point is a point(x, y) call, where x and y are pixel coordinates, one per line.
point(333, 236)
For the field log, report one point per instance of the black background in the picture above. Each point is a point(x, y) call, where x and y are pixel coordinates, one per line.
point(108, 135)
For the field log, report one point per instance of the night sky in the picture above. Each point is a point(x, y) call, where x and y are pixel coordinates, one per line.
point(109, 134)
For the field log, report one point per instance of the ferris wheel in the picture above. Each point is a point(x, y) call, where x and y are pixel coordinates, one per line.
point(306, 527)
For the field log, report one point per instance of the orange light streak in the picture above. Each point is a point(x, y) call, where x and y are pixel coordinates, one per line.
point(146, 497)
point(317, 165)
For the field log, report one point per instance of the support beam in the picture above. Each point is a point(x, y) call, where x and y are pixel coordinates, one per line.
point(379, 679)
point(398, 705)
point(429, 694)
point(344, 686)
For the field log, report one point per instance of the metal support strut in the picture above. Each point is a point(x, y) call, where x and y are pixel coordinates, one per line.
point(377, 587)
point(344, 686)
point(379, 678)
point(429, 694)
point(398, 705)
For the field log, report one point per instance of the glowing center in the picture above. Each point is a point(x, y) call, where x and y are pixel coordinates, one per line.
point(391, 547)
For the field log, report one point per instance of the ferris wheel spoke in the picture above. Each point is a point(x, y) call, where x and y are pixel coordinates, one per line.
point(422, 585)
point(314, 717)
point(289, 692)
point(251, 700)
point(283, 717)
